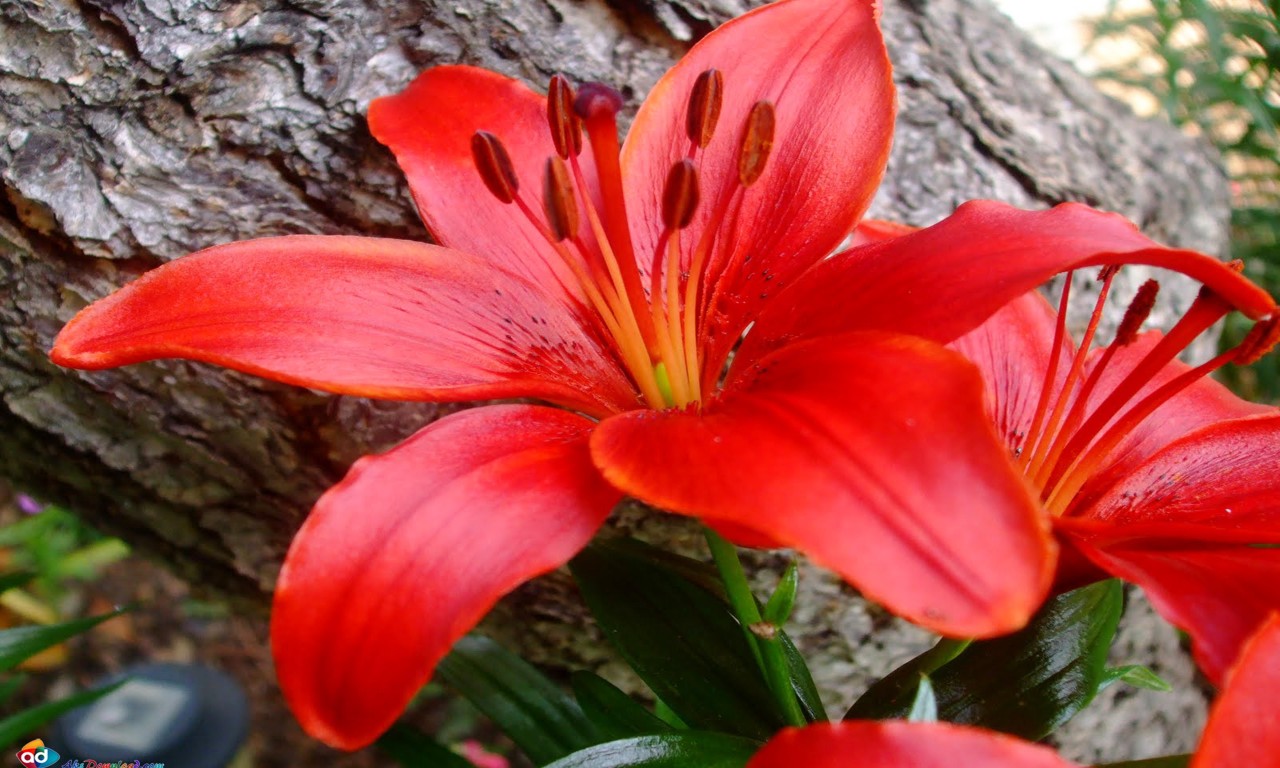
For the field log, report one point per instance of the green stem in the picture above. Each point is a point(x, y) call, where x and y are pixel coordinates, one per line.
point(769, 653)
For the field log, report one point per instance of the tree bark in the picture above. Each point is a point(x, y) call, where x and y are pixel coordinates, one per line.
point(136, 132)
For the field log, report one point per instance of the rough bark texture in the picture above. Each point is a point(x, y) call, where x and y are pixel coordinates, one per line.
point(135, 132)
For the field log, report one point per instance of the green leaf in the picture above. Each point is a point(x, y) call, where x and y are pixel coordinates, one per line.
point(1173, 761)
point(891, 695)
point(783, 599)
point(925, 707)
point(614, 714)
point(1136, 675)
point(683, 641)
point(1027, 683)
point(413, 749)
point(684, 749)
point(20, 643)
point(541, 719)
point(802, 682)
point(19, 726)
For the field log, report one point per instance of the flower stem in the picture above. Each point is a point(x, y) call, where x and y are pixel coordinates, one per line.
point(768, 647)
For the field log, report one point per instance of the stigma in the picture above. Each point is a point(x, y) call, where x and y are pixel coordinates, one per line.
point(651, 305)
point(1079, 421)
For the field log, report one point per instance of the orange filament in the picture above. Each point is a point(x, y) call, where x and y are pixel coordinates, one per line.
point(654, 332)
point(1060, 454)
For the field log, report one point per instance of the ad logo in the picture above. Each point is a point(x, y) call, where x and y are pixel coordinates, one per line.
point(36, 755)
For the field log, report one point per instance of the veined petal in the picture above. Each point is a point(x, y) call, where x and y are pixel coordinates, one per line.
point(943, 281)
point(356, 315)
point(1012, 350)
point(1244, 725)
point(897, 744)
point(823, 65)
point(871, 454)
point(429, 126)
point(1184, 526)
point(407, 553)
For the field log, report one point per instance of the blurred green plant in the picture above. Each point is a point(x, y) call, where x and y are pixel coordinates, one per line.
point(57, 549)
point(1213, 68)
point(18, 644)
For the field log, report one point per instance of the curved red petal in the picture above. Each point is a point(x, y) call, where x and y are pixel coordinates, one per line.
point(1012, 351)
point(1184, 524)
point(1244, 724)
point(355, 315)
point(1216, 593)
point(943, 281)
point(407, 553)
point(823, 65)
point(871, 454)
point(897, 744)
point(429, 125)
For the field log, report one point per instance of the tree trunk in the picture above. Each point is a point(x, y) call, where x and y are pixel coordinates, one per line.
point(136, 132)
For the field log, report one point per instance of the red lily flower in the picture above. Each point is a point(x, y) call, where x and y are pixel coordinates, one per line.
point(617, 289)
point(1151, 471)
point(1243, 730)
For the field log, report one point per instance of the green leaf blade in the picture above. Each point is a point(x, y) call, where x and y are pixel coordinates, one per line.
point(685, 749)
point(544, 721)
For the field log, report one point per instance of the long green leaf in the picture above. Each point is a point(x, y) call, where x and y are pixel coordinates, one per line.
point(413, 749)
point(541, 719)
point(1030, 682)
point(614, 714)
point(685, 749)
point(680, 639)
point(19, 726)
point(891, 696)
point(20, 643)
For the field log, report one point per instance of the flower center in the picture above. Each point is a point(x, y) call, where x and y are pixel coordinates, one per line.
point(656, 324)
point(1068, 441)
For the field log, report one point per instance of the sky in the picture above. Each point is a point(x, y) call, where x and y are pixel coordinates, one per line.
point(1055, 25)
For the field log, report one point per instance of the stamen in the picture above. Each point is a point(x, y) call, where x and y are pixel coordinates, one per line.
point(680, 197)
point(1260, 340)
point(494, 165)
point(562, 206)
point(705, 101)
point(757, 143)
point(1137, 313)
point(1032, 439)
point(566, 130)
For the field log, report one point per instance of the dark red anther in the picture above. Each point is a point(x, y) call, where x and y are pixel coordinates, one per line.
point(1260, 340)
point(566, 130)
point(1137, 313)
point(597, 100)
point(562, 206)
point(494, 165)
point(704, 107)
point(757, 143)
point(680, 197)
point(1108, 272)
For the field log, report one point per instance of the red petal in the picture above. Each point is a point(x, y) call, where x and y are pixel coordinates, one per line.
point(407, 553)
point(896, 744)
point(871, 454)
point(823, 65)
point(355, 315)
point(429, 126)
point(1183, 525)
point(1011, 349)
point(941, 282)
point(1244, 725)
